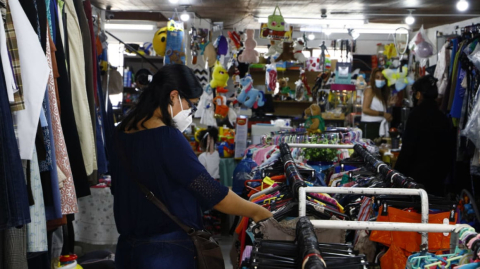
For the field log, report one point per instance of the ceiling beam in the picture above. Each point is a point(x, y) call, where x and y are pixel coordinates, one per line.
point(136, 16)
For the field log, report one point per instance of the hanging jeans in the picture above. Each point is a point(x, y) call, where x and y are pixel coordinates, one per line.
point(163, 251)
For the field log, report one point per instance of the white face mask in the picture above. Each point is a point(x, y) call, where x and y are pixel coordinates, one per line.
point(183, 119)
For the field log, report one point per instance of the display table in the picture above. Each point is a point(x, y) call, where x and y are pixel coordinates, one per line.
point(94, 223)
point(227, 165)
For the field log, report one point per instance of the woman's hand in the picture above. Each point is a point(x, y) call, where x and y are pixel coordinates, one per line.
point(235, 205)
point(388, 117)
point(263, 214)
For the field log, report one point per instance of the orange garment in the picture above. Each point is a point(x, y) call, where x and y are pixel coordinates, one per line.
point(403, 244)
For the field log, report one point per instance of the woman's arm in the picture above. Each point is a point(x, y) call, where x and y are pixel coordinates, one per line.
point(234, 205)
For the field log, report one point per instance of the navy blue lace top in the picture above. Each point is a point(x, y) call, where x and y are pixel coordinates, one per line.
point(165, 163)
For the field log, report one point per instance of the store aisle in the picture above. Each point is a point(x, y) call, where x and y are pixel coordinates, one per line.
point(226, 245)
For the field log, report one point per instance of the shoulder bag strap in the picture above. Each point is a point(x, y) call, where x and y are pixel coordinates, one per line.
point(148, 194)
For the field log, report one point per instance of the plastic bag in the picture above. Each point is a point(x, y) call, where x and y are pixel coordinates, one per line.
point(475, 56)
point(242, 173)
point(421, 46)
point(472, 129)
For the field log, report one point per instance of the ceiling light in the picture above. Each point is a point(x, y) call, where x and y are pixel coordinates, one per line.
point(410, 19)
point(185, 16)
point(145, 27)
point(173, 1)
point(316, 21)
point(462, 5)
point(311, 36)
point(327, 31)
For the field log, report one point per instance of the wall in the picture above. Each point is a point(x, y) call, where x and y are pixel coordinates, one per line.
point(447, 29)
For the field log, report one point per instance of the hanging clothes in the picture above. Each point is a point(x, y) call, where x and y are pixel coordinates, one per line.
point(19, 102)
point(67, 192)
point(14, 206)
point(37, 229)
point(34, 67)
point(80, 102)
point(88, 65)
point(72, 139)
point(13, 248)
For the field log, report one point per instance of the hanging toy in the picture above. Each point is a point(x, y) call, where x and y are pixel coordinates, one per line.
point(287, 53)
point(221, 109)
point(160, 41)
point(210, 54)
point(421, 45)
point(276, 47)
point(298, 48)
point(271, 78)
point(249, 55)
point(299, 90)
point(250, 97)
point(390, 51)
point(222, 45)
point(303, 77)
point(175, 50)
point(276, 25)
point(398, 78)
point(235, 37)
point(219, 76)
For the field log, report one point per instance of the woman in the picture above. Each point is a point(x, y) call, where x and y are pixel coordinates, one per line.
point(164, 162)
point(428, 144)
point(375, 100)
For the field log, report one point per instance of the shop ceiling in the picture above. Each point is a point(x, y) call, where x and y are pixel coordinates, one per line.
point(233, 13)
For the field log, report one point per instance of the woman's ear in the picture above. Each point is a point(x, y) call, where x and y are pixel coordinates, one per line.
point(173, 95)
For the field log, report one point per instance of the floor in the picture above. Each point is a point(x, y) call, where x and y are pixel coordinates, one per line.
point(225, 244)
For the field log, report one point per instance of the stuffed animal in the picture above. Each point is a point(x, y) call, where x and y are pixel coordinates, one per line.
point(219, 76)
point(221, 109)
point(275, 47)
point(303, 77)
point(298, 47)
point(249, 96)
point(287, 53)
point(222, 45)
point(235, 37)
point(249, 55)
point(210, 54)
point(285, 89)
point(314, 122)
point(160, 41)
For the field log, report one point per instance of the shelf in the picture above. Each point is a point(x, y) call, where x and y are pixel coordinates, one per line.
point(293, 102)
point(136, 57)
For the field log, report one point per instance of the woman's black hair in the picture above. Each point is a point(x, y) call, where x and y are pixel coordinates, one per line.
point(212, 132)
point(427, 85)
point(157, 95)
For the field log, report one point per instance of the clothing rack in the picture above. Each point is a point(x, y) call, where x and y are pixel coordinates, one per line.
point(302, 194)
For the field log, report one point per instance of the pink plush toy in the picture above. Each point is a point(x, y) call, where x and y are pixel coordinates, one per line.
point(249, 55)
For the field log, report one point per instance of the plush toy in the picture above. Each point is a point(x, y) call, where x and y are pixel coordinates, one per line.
point(249, 96)
point(219, 76)
point(235, 37)
point(285, 89)
point(275, 47)
point(287, 53)
point(303, 77)
point(271, 78)
point(299, 90)
point(221, 109)
point(314, 122)
point(298, 47)
point(210, 54)
point(222, 45)
point(249, 55)
point(160, 41)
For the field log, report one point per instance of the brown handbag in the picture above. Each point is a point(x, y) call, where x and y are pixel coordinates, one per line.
point(208, 252)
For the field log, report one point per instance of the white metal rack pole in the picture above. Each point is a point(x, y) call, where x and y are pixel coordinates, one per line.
point(361, 225)
point(321, 146)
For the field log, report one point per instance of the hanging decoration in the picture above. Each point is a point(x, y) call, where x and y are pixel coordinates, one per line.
point(287, 53)
point(235, 37)
point(249, 55)
point(276, 47)
point(271, 78)
point(175, 48)
point(210, 54)
point(398, 78)
point(420, 45)
point(219, 77)
point(221, 109)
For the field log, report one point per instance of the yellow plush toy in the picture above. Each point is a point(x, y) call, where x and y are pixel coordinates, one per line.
point(314, 122)
point(219, 76)
point(160, 41)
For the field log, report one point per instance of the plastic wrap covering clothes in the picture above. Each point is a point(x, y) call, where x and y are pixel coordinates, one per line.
point(472, 129)
point(403, 244)
point(475, 56)
point(284, 230)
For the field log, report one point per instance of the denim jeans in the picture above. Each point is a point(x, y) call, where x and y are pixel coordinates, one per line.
point(172, 250)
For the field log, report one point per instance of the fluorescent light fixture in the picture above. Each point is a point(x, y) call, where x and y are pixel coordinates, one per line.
point(311, 36)
point(354, 34)
point(314, 21)
point(113, 26)
point(185, 16)
point(173, 1)
point(329, 31)
point(462, 5)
